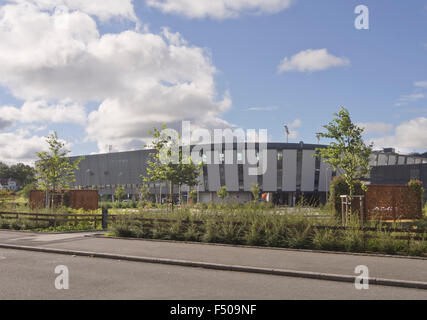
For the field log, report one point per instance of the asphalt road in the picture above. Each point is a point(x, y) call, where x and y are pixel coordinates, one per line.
point(31, 275)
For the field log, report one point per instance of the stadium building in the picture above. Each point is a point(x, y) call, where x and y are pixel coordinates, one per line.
point(291, 172)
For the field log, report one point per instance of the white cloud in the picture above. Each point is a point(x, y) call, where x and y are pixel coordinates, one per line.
point(219, 9)
point(293, 134)
point(406, 99)
point(420, 84)
point(103, 9)
point(139, 79)
point(375, 127)
point(311, 60)
point(41, 111)
point(20, 146)
point(409, 136)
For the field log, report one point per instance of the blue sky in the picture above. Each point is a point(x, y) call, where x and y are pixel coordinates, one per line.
point(378, 74)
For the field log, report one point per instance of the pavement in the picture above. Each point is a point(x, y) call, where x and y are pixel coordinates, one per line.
point(400, 269)
point(31, 275)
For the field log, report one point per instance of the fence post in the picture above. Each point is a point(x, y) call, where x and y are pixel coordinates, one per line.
point(104, 218)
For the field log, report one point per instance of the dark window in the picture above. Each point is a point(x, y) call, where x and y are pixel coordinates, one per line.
point(299, 169)
point(240, 171)
point(279, 169)
point(317, 174)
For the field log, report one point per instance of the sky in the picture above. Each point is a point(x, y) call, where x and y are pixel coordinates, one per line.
point(103, 72)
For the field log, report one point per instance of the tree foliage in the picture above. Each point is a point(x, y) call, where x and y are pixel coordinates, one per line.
point(180, 172)
point(119, 193)
point(255, 190)
point(54, 170)
point(222, 193)
point(347, 153)
point(21, 172)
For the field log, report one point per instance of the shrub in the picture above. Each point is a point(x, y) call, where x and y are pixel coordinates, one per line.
point(326, 239)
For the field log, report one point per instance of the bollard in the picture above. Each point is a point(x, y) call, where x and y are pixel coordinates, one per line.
point(104, 218)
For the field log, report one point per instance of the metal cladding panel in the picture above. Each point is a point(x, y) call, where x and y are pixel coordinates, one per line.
point(401, 160)
point(248, 180)
point(102, 169)
point(325, 176)
point(232, 175)
point(373, 160)
point(392, 160)
point(201, 185)
point(269, 181)
point(382, 159)
point(308, 169)
point(289, 170)
point(93, 171)
point(83, 176)
point(214, 181)
point(135, 168)
point(410, 160)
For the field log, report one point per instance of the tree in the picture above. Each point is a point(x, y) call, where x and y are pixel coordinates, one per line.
point(255, 191)
point(54, 171)
point(119, 192)
point(347, 152)
point(145, 193)
point(180, 172)
point(23, 173)
point(193, 196)
point(222, 193)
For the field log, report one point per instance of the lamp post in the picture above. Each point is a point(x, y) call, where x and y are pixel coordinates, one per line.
point(287, 133)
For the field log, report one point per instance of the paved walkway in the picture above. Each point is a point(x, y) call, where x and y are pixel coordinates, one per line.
point(343, 264)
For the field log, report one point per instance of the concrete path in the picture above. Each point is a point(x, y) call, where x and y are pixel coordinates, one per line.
point(342, 264)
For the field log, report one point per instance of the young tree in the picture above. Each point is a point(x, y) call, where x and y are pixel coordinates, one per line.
point(119, 193)
point(54, 171)
point(222, 193)
point(193, 196)
point(255, 191)
point(145, 193)
point(161, 166)
point(347, 152)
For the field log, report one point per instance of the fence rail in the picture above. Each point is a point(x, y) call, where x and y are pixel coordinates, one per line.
point(104, 219)
point(55, 218)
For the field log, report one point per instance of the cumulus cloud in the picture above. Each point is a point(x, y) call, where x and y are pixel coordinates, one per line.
point(311, 60)
point(20, 146)
point(219, 9)
point(408, 136)
point(41, 111)
point(103, 9)
point(138, 79)
point(375, 127)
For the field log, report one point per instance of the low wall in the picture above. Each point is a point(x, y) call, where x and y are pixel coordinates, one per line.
point(392, 202)
point(76, 199)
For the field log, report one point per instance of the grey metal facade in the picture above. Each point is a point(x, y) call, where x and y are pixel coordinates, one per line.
point(292, 170)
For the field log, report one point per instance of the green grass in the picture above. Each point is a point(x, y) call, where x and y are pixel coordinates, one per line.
point(265, 226)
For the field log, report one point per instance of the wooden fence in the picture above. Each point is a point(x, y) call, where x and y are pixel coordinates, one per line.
point(55, 218)
point(104, 219)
